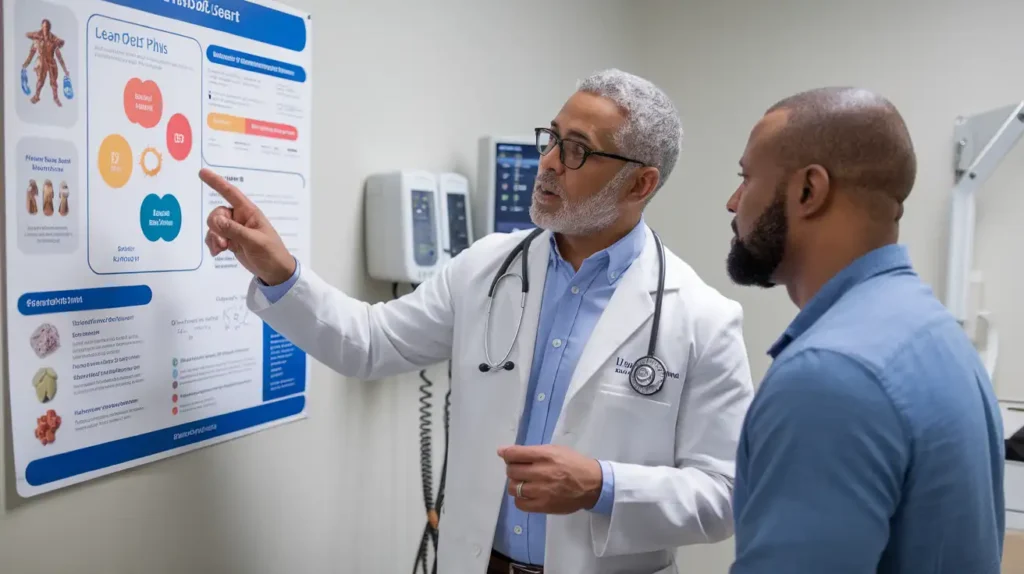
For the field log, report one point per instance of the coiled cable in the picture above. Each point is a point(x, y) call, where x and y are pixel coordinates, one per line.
point(429, 537)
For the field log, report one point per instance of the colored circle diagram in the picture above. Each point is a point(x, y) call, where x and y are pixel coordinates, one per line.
point(160, 217)
point(143, 102)
point(179, 137)
point(115, 160)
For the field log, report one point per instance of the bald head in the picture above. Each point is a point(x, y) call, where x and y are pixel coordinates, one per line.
point(858, 136)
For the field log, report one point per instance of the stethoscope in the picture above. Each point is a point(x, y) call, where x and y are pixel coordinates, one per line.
point(646, 376)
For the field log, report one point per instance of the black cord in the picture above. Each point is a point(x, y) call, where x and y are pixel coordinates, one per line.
point(429, 537)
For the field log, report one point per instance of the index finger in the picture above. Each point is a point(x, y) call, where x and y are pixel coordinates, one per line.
point(230, 193)
point(523, 454)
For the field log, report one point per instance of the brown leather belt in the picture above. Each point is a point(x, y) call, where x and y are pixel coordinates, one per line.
point(501, 564)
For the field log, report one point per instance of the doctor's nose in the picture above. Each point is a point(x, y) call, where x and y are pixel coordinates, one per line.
point(550, 162)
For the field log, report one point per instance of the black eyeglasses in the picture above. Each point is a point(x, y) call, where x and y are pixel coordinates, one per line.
point(571, 153)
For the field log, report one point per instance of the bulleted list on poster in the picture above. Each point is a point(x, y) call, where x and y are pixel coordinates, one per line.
point(128, 341)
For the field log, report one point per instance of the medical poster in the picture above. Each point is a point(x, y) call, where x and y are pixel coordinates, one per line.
point(127, 341)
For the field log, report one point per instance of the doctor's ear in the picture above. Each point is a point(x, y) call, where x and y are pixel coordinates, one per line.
point(645, 181)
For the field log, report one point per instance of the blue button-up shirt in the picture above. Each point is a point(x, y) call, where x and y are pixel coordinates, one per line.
point(874, 443)
point(572, 303)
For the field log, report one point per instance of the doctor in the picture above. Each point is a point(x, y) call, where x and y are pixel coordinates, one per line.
point(575, 448)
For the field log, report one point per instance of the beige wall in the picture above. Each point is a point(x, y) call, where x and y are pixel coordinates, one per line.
point(1013, 553)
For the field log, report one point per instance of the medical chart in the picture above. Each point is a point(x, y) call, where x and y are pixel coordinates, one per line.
point(127, 341)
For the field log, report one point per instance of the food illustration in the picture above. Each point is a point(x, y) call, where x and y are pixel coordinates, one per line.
point(45, 383)
point(46, 45)
point(47, 198)
point(46, 427)
point(64, 192)
point(45, 340)
point(32, 195)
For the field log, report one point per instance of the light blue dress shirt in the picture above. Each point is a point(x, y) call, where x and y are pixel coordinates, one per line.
point(572, 303)
point(874, 443)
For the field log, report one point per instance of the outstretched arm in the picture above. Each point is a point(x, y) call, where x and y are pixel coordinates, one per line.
point(60, 59)
point(31, 54)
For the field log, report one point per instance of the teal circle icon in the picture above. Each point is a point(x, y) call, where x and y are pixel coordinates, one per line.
point(160, 217)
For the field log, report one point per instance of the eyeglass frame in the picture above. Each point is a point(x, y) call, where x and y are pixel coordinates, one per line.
point(587, 152)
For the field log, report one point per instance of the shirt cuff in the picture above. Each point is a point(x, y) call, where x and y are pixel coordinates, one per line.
point(273, 293)
point(607, 498)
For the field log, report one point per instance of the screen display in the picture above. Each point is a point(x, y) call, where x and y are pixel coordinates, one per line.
point(423, 237)
point(515, 169)
point(458, 228)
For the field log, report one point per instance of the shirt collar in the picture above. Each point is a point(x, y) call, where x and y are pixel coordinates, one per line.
point(880, 261)
point(619, 255)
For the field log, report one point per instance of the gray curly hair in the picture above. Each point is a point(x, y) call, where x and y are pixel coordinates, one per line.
point(653, 132)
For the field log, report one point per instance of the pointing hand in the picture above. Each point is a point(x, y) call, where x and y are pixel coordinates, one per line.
point(245, 231)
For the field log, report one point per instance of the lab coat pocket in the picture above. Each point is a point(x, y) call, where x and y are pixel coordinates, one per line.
point(632, 428)
point(632, 398)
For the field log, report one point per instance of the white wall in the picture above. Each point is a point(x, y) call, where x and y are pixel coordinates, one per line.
point(286, 500)
point(397, 84)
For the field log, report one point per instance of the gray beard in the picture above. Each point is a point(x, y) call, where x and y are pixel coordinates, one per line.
point(587, 217)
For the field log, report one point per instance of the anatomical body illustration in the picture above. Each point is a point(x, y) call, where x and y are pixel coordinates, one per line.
point(46, 51)
point(32, 197)
point(47, 198)
point(64, 193)
point(51, 202)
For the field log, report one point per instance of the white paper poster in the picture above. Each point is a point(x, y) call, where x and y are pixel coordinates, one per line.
point(127, 341)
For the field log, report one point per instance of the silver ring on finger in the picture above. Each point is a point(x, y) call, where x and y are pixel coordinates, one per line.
point(519, 489)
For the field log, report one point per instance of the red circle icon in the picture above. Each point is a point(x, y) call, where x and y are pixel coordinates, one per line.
point(179, 137)
point(143, 102)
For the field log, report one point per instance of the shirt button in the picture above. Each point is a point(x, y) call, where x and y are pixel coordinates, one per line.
point(518, 530)
point(540, 397)
point(575, 290)
point(614, 275)
point(557, 342)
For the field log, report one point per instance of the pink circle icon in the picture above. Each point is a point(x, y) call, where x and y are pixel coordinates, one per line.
point(179, 137)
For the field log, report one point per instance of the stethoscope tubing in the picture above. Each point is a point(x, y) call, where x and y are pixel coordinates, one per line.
point(522, 249)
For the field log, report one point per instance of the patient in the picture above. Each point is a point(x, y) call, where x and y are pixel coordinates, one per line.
point(875, 442)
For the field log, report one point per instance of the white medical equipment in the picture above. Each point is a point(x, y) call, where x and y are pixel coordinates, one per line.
point(983, 140)
point(402, 226)
point(1013, 481)
point(505, 175)
point(646, 376)
point(457, 223)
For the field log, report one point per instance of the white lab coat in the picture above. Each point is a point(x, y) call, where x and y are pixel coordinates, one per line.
point(673, 453)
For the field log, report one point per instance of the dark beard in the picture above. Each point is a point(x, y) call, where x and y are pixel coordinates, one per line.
point(753, 261)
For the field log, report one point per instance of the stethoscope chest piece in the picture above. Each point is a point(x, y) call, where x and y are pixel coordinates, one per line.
point(647, 375)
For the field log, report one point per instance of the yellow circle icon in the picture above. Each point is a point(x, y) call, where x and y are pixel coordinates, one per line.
point(115, 161)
